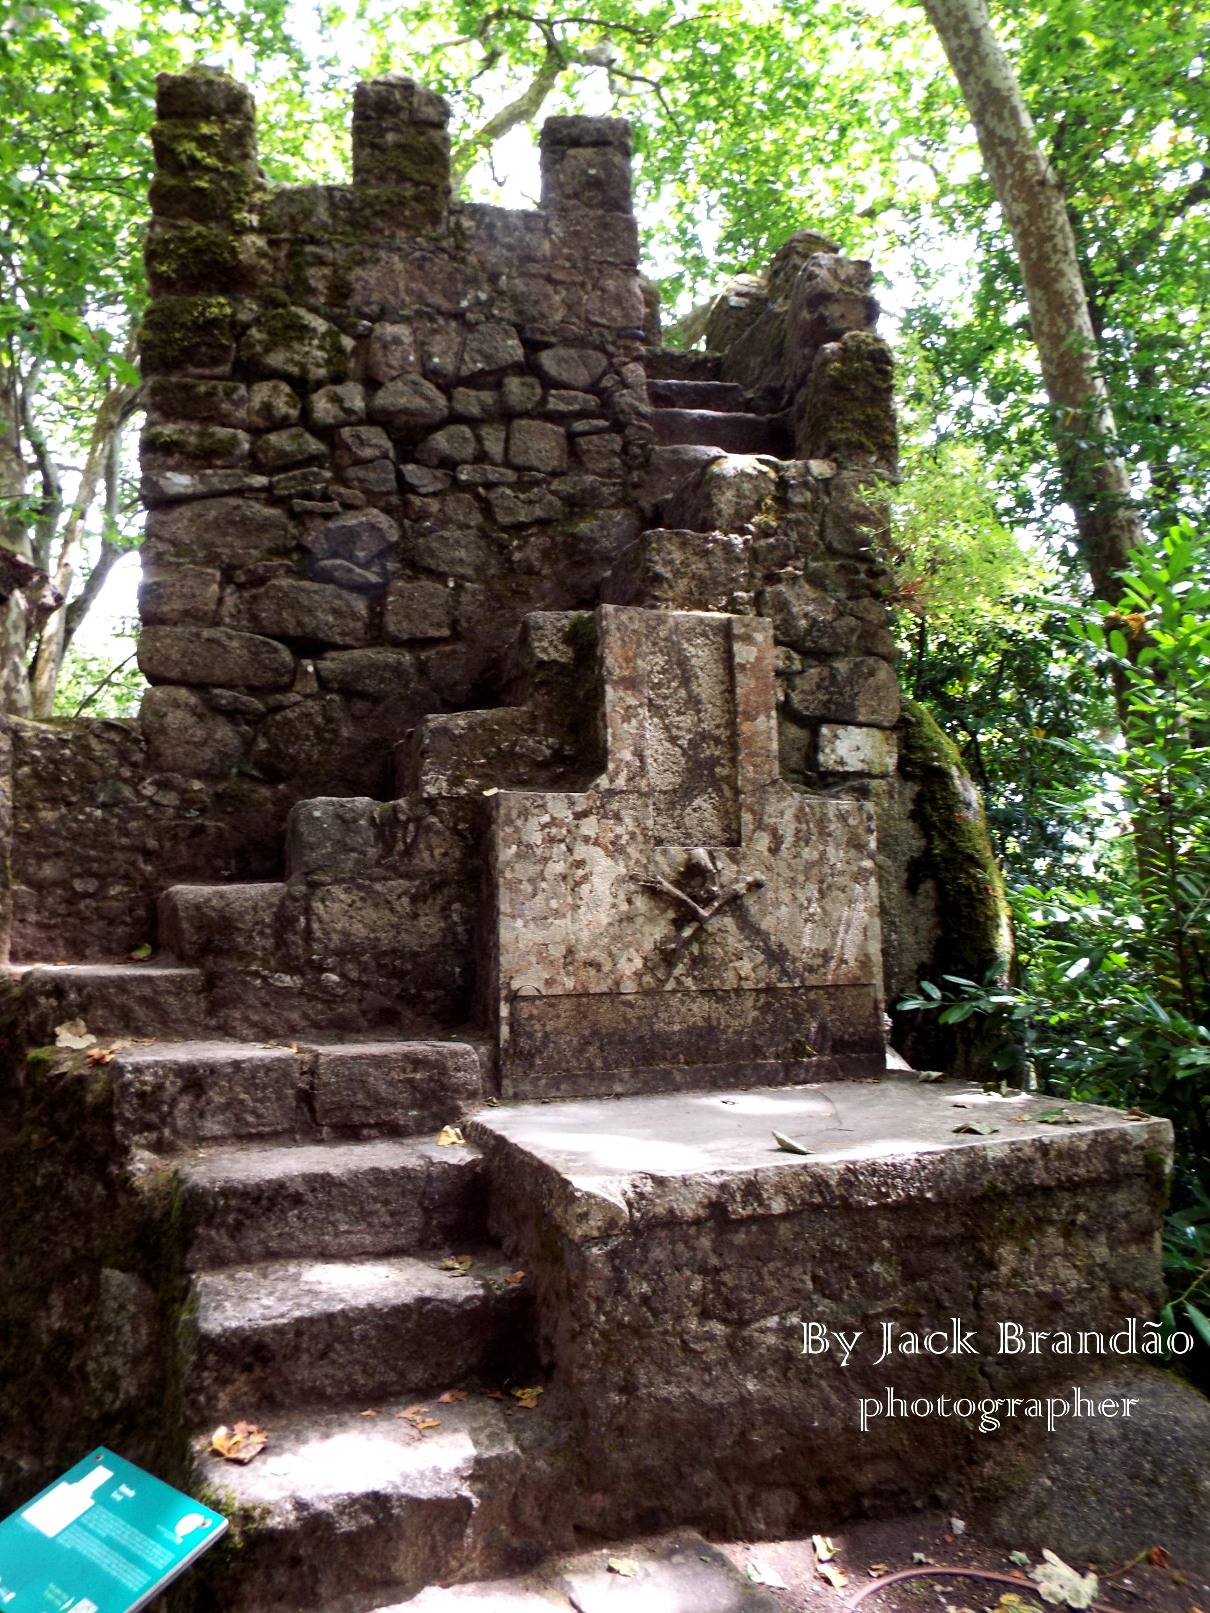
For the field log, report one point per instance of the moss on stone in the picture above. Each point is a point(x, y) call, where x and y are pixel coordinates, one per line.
point(184, 334)
point(958, 856)
point(848, 409)
point(188, 256)
point(229, 197)
point(203, 145)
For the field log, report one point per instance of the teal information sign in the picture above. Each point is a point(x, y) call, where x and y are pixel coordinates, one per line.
point(103, 1539)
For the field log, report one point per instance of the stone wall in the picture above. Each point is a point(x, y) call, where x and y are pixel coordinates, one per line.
point(379, 429)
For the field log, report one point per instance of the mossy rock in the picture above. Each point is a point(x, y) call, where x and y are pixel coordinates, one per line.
point(209, 146)
point(293, 344)
point(230, 198)
point(188, 335)
point(185, 256)
point(848, 410)
point(975, 922)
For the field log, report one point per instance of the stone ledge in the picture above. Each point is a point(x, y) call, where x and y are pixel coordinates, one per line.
point(604, 1166)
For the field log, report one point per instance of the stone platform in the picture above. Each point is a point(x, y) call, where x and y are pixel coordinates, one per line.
point(678, 1255)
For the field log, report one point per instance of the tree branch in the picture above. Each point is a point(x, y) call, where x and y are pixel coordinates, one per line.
point(524, 109)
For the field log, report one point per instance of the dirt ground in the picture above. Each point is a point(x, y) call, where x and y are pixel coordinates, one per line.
point(867, 1551)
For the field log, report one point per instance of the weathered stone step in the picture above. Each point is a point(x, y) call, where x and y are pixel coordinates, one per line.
point(232, 925)
point(170, 1097)
point(669, 364)
point(325, 1332)
point(721, 396)
point(113, 1000)
point(672, 469)
point(345, 1511)
point(736, 433)
point(335, 1200)
point(669, 1574)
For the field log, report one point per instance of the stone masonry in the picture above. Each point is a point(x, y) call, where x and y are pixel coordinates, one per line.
point(523, 756)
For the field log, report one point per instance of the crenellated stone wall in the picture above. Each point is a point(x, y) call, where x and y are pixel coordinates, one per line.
point(380, 428)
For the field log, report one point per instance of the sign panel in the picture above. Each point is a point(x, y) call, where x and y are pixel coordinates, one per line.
point(105, 1538)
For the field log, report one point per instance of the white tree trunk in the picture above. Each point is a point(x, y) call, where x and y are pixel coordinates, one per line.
point(1095, 481)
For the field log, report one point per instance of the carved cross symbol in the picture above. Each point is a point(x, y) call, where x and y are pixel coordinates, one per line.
point(701, 874)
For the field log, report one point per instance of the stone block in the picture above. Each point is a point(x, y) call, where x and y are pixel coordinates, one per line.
point(862, 690)
point(378, 477)
point(214, 655)
point(846, 411)
point(520, 394)
point(170, 595)
point(856, 516)
point(190, 446)
point(342, 405)
point(272, 404)
point(732, 491)
point(357, 445)
point(344, 574)
point(294, 344)
point(185, 736)
point(374, 674)
point(192, 1093)
point(807, 619)
point(574, 368)
point(600, 454)
point(359, 536)
point(203, 92)
point(217, 531)
point(535, 445)
point(392, 352)
point(228, 926)
point(472, 404)
point(872, 751)
point(452, 445)
point(417, 608)
point(523, 509)
point(676, 1253)
point(593, 176)
point(385, 1084)
point(280, 450)
point(188, 336)
point(289, 608)
point(490, 347)
point(169, 486)
point(302, 740)
point(168, 398)
point(673, 570)
point(410, 401)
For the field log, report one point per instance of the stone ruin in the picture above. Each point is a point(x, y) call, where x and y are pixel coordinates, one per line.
point(523, 753)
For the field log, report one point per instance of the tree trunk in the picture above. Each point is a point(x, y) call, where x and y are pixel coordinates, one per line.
point(53, 640)
point(1095, 482)
point(14, 682)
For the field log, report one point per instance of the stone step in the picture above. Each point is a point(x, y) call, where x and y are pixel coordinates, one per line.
point(671, 471)
point(113, 1000)
point(343, 1512)
point(667, 1575)
point(669, 364)
point(329, 1332)
point(721, 396)
point(331, 1200)
point(234, 926)
point(171, 1097)
point(735, 433)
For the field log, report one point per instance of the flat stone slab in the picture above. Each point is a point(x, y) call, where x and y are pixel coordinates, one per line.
point(693, 1282)
point(678, 1573)
point(605, 1166)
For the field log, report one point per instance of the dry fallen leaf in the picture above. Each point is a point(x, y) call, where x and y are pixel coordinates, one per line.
point(370, 1413)
point(457, 1265)
point(515, 1277)
point(141, 953)
point(101, 1055)
point(836, 1577)
point(450, 1137)
point(823, 1547)
point(1056, 1117)
point(494, 1394)
point(1158, 1557)
point(626, 1566)
point(528, 1398)
point(420, 1417)
point(877, 1570)
point(74, 1034)
point(922, 1557)
point(788, 1145)
point(978, 1128)
point(761, 1574)
point(1058, 1582)
point(958, 1526)
point(239, 1443)
point(451, 1397)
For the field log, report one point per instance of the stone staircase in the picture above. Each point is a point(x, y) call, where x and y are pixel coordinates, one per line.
point(601, 895)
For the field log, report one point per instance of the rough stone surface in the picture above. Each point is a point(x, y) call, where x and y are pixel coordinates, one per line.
point(670, 1237)
point(214, 655)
